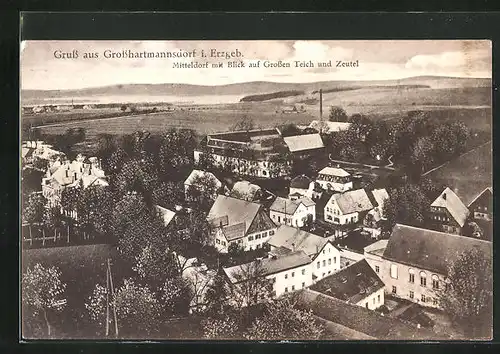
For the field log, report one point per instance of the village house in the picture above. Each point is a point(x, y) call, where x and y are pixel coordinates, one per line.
point(240, 222)
point(165, 214)
point(324, 256)
point(345, 210)
point(414, 262)
point(252, 153)
point(374, 218)
point(327, 127)
point(306, 187)
point(481, 206)
point(63, 174)
point(194, 179)
point(448, 212)
point(41, 150)
point(283, 274)
point(294, 212)
point(357, 284)
point(246, 191)
point(335, 179)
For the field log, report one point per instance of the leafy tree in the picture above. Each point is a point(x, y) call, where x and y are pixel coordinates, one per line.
point(155, 266)
point(203, 191)
point(225, 327)
point(190, 227)
point(53, 218)
point(408, 205)
point(42, 291)
point(290, 129)
point(176, 153)
point(168, 194)
point(137, 175)
point(469, 295)
point(70, 197)
point(337, 114)
point(94, 209)
point(252, 286)
point(423, 154)
point(34, 209)
point(176, 296)
point(217, 297)
point(283, 320)
point(138, 310)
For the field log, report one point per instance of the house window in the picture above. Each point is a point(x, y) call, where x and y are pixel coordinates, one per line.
point(240, 241)
point(264, 173)
point(223, 243)
point(329, 261)
point(286, 276)
point(271, 233)
point(366, 305)
point(435, 301)
point(303, 284)
point(435, 281)
point(274, 216)
point(374, 301)
point(334, 259)
point(412, 294)
point(423, 298)
point(250, 238)
point(337, 220)
point(279, 218)
point(217, 241)
point(377, 269)
point(318, 265)
point(293, 287)
point(412, 275)
point(264, 234)
point(393, 289)
point(324, 251)
point(293, 274)
point(303, 271)
point(423, 279)
point(286, 290)
point(257, 236)
point(378, 299)
point(394, 271)
point(323, 275)
point(329, 217)
point(329, 271)
point(324, 262)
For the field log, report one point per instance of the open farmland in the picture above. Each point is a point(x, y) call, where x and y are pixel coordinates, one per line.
point(468, 174)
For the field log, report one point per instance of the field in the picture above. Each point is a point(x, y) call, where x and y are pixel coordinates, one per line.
point(468, 174)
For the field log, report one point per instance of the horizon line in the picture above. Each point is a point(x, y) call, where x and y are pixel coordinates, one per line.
point(248, 82)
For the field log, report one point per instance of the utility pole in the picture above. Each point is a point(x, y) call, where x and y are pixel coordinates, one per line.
point(107, 301)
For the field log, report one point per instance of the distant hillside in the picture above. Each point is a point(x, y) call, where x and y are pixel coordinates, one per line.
point(271, 96)
point(249, 88)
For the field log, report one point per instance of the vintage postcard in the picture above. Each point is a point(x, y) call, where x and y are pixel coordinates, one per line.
point(257, 190)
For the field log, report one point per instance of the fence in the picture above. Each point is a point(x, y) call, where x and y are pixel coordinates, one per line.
point(36, 235)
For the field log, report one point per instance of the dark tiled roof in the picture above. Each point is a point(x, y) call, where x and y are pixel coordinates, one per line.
point(351, 284)
point(293, 238)
point(300, 182)
point(428, 249)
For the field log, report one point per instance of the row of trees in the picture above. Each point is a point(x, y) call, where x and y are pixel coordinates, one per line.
point(414, 141)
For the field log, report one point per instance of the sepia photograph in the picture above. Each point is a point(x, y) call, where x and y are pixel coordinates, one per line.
point(282, 190)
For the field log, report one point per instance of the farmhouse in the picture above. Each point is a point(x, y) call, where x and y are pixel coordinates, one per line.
point(306, 145)
point(481, 206)
point(41, 150)
point(195, 181)
point(334, 179)
point(414, 263)
point(80, 172)
point(294, 212)
point(374, 217)
point(356, 284)
point(347, 208)
point(253, 153)
point(324, 256)
point(283, 274)
point(239, 222)
point(448, 212)
point(306, 187)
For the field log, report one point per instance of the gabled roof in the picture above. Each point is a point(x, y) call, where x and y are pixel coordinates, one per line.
point(292, 239)
point(334, 171)
point(380, 196)
point(300, 182)
point(451, 202)
point(428, 249)
point(329, 127)
point(352, 201)
point(246, 189)
point(195, 174)
point(166, 214)
point(267, 266)
point(377, 248)
point(27, 152)
point(289, 206)
point(487, 189)
point(304, 142)
point(235, 215)
point(351, 284)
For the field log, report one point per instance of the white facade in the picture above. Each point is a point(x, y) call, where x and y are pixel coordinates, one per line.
point(373, 301)
point(249, 242)
point(291, 280)
point(326, 262)
point(335, 186)
point(334, 215)
point(297, 219)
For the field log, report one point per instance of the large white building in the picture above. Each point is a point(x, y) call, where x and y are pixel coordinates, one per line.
point(293, 212)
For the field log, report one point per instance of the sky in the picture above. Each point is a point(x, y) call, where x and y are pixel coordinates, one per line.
point(378, 60)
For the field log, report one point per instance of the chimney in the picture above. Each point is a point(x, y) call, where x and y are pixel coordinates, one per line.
point(320, 104)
